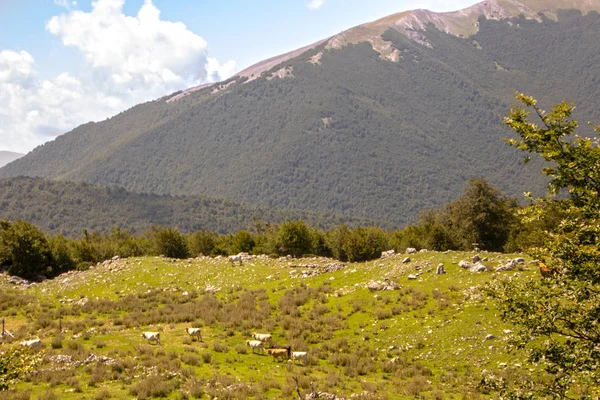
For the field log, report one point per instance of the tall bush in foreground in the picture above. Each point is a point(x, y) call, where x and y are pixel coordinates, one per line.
point(557, 315)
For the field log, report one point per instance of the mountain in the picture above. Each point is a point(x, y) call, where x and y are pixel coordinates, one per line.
point(379, 122)
point(69, 208)
point(8, 157)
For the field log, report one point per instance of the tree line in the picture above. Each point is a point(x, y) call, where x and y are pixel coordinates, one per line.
point(481, 217)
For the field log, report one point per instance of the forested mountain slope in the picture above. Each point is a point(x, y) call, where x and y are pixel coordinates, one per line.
point(69, 208)
point(350, 126)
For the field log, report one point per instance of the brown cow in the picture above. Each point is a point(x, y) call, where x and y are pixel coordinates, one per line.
point(546, 271)
point(283, 353)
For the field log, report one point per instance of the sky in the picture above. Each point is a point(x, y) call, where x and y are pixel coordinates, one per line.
point(67, 62)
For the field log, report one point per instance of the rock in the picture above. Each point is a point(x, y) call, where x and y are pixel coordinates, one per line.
point(374, 286)
point(411, 250)
point(388, 253)
point(406, 260)
point(476, 258)
point(490, 337)
point(465, 264)
point(440, 269)
point(478, 267)
point(412, 277)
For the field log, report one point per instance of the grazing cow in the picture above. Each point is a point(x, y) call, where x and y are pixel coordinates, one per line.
point(263, 337)
point(300, 355)
point(194, 333)
point(237, 258)
point(546, 271)
point(34, 344)
point(283, 353)
point(255, 344)
point(152, 337)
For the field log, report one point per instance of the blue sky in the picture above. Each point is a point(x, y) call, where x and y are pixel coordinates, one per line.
point(65, 62)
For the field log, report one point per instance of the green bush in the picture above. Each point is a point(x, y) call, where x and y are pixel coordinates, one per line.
point(168, 242)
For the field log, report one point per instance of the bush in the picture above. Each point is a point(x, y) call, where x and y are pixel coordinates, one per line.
point(25, 250)
point(168, 242)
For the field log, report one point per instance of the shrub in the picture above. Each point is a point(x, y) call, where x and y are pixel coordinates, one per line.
point(168, 242)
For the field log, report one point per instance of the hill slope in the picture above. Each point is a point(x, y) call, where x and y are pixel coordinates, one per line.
point(69, 208)
point(435, 336)
point(376, 123)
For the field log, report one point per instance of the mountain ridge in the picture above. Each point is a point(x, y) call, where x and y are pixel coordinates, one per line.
point(346, 130)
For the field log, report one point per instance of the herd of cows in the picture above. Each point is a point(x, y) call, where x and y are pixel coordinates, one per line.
point(257, 344)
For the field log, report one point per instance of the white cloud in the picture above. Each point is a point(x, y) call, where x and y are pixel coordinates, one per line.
point(315, 4)
point(130, 59)
point(65, 3)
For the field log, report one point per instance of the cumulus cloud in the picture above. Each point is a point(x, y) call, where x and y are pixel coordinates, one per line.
point(315, 4)
point(130, 59)
point(65, 3)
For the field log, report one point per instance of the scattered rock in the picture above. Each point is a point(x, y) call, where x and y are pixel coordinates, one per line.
point(411, 250)
point(440, 269)
point(388, 253)
point(406, 260)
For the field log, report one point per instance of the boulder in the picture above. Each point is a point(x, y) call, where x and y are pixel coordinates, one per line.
point(388, 253)
point(478, 267)
point(440, 269)
point(411, 250)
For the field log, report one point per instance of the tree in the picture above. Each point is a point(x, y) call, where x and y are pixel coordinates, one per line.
point(243, 241)
point(558, 317)
point(24, 248)
point(168, 242)
point(295, 238)
point(481, 215)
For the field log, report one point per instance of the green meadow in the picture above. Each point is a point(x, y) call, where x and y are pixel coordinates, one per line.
point(432, 337)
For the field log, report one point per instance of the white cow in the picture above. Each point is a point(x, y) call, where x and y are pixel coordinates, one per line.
point(34, 344)
point(237, 258)
point(300, 355)
point(255, 344)
point(194, 332)
point(151, 337)
point(263, 337)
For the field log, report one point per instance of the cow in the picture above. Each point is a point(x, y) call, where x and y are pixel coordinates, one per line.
point(279, 352)
point(300, 355)
point(255, 344)
point(547, 272)
point(263, 337)
point(194, 332)
point(237, 258)
point(34, 344)
point(151, 337)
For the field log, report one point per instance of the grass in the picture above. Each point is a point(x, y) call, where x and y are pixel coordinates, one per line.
point(426, 340)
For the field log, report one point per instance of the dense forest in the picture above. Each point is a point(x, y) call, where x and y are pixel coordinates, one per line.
point(482, 216)
point(356, 135)
point(68, 208)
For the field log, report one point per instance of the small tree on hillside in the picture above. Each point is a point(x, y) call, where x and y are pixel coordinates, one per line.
point(168, 242)
point(481, 215)
point(25, 250)
point(295, 238)
point(558, 316)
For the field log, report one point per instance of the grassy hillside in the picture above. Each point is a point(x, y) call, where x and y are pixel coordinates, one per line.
point(69, 208)
point(427, 339)
point(353, 134)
